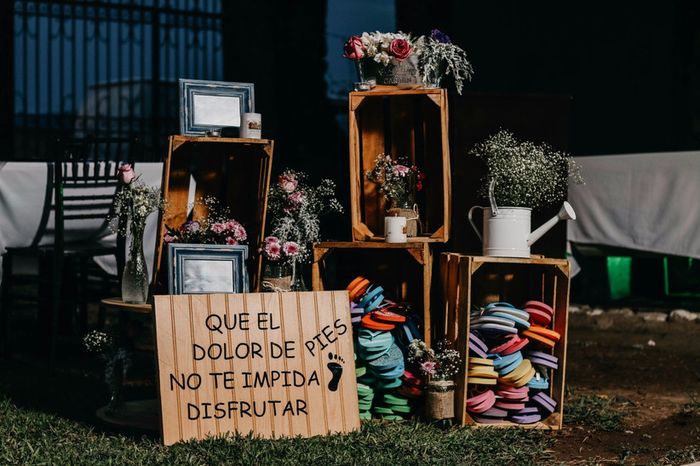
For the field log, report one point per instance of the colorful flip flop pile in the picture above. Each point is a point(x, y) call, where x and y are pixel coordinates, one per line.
point(510, 363)
point(384, 387)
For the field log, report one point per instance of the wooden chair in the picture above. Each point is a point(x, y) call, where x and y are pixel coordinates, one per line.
point(84, 183)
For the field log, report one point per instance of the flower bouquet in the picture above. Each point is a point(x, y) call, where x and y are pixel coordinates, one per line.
point(133, 203)
point(399, 182)
point(117, 363)
point(217, 228)
point(386, 57)
point(520, 176)
point(439, 57)
point(294, 211)
point(398, 58)
point(524, 174)
point(439, 366)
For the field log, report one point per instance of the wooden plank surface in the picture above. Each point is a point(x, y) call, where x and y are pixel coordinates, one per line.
point(270, 364)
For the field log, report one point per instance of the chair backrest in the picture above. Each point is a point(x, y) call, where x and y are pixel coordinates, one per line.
point(85, 180)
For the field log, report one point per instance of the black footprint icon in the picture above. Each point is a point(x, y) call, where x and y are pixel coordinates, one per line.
point(336, 369)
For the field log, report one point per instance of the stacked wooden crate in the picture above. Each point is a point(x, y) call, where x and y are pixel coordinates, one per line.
point(410, 124)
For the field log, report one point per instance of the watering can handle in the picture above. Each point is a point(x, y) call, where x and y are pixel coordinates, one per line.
point(471, 220)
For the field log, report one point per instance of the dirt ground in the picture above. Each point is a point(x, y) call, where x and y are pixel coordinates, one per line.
point(651, 370)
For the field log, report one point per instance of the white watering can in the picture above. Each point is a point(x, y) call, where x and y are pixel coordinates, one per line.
point(507, 229)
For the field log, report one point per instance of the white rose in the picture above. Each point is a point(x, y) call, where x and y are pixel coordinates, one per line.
point(382, 58)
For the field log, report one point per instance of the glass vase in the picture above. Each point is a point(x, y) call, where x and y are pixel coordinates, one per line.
point(298, 279)
point(135, 275)
point(277, 276)
point(114, 376)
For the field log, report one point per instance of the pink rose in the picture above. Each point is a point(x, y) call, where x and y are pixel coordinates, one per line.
point(169, 238)
point(290, 248)
point(126, 173)
point(231, 241)
point(296, 198)
point(271, 239)
point(288, 183)
point(401, 170)
point(353, 49)
point(400, 48)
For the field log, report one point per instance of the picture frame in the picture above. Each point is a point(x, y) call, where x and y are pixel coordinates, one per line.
point(207, 268)
point(209, 105)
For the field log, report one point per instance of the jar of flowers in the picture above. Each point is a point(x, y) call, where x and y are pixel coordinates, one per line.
point(133, 203)
point(399, 182)
point(439, 366)
point(397, 58)
point(389, 58)
point(294, 211)
point(439, 58)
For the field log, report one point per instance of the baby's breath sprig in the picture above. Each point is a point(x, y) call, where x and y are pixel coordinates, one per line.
point(525, 174)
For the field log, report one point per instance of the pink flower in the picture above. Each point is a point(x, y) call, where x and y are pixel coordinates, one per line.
point(400, 48)
point(218, 227)
point(296, 198)
point(231, 241)
point(428, 367)
point(290, 248)
point(353, 49)
point(273, 251)
point(401, 170)
point(288, 182)
point(239, 232)
point(271, 239)
point(126, 173)
point(168, 238)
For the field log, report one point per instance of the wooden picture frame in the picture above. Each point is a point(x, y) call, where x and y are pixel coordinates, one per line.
point(207, 268)
point(207, 105)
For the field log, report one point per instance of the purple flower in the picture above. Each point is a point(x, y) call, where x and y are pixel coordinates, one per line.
point(439, 36)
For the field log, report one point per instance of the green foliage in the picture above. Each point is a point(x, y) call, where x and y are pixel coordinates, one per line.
point(29, 437)
point(687, 455)
point(595, 411)
point(692, 408)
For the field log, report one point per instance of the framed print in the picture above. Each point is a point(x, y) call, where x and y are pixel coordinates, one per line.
point(207, 268)
point(207, 105)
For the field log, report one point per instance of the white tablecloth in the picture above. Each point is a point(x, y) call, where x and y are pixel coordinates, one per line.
point(23, 190)
point(647, 202)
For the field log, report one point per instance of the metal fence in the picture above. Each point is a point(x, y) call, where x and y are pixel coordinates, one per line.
point(107, 68)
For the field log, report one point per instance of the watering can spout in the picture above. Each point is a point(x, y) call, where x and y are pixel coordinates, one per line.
point(565, 213)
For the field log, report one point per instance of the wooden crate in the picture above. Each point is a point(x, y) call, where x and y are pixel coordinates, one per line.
point(404, 270)
point(408, 123)
point(235, 171)
point(469, 281)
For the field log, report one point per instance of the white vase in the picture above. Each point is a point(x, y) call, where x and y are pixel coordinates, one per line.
point(505, 234)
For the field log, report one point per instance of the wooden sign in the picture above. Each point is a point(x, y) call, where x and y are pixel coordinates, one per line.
point(274, 364)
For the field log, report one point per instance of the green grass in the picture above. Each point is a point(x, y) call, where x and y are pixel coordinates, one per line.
point(30, 437)
point(596, 411)
point(692, 408)
point(685, 455)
